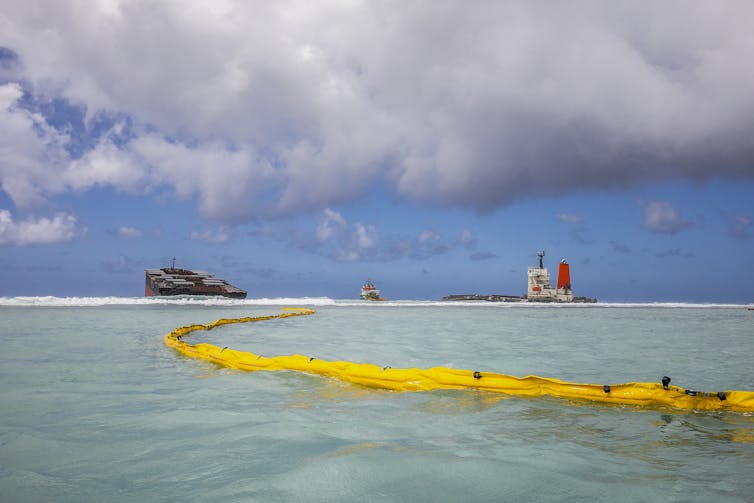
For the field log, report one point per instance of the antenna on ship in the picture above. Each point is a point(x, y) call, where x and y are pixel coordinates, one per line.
point(173, 267)
point(541, 254)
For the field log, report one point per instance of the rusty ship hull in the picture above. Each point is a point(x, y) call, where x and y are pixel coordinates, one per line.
point(171, 281)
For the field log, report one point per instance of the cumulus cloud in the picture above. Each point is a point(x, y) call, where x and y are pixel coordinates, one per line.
point(125, 232)
point(663, 218)
point(330, 223)
point(106, 164)
point(61, 227)
point(576, 225)
point(343, 241)
point(742, 227)
point(467, 238)
point(333, 236)
point(121, 265)
point(30, 151)
point(620, 247)
point(220, 235)
point(229, 184)
point(571, 219)
point(424, 245)
point(272, 109)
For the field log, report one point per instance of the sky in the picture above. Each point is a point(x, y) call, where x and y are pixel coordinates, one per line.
point(298, 148)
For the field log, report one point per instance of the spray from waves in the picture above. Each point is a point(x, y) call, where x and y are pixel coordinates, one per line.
point(51, 301)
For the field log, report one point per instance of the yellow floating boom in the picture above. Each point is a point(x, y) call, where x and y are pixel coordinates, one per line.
point(413, 379)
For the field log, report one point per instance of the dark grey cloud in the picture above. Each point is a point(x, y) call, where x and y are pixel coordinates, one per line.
point(576, 227)
point(620, 246)
point(277, 108)
point(673, 253)
point(479, 256)
point(43, 268)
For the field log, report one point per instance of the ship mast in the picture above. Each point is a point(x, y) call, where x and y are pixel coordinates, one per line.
point(540, 255)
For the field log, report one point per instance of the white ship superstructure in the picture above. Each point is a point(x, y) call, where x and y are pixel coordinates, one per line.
point(540, 290)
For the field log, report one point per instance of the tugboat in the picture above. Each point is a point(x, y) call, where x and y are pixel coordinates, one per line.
point(370, 292)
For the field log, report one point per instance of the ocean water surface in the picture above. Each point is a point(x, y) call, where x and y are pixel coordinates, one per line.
point(94, 407)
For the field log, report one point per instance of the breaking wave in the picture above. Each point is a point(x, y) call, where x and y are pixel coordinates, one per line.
point(52, 301)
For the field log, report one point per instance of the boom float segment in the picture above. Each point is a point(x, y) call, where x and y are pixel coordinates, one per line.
point(413, 379)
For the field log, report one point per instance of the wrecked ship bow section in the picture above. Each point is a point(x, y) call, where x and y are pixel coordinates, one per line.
point(171, 281)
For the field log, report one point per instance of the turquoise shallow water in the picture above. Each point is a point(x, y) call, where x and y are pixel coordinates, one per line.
point(95, 408)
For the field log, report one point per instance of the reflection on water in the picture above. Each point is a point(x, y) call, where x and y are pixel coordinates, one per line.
point(460, 402)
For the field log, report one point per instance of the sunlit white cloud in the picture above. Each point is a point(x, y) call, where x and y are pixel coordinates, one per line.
point(219, 235)
point(661, 217)
point(571, 219)
point(125, 232)
point(229, 184)
point(345, 243)
point(107, 165)
point(31, 151)
point(365, 236)
point(330, 223)
point(61, 227)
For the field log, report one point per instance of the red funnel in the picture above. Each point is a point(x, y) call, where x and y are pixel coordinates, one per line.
point(564, 275)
